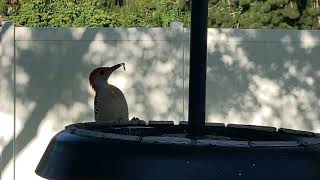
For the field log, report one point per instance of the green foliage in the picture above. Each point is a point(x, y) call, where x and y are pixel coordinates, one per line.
point(40, 13)
point(299, 14)
point(3, 7)
point(310, 16)
point(73, 13)
point(152, 13)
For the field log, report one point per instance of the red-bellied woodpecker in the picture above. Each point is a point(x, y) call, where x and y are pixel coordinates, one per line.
point(109, 102)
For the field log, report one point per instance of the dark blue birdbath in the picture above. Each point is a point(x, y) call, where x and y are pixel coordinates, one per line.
point(161, 150)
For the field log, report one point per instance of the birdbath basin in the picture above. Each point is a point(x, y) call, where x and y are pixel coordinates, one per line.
point(161, 150)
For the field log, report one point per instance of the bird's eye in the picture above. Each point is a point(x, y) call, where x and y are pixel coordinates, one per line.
point(101, 72)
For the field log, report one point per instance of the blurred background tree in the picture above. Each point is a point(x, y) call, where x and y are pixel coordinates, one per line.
point(288, 14)
point(298, 14)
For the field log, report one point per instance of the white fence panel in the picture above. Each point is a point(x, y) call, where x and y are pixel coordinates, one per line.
point(52, 86)
point(264, 77)
point(7, 109)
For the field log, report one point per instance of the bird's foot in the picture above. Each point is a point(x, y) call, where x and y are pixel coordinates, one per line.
point(135, 120)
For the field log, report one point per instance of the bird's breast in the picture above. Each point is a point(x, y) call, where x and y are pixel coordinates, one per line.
point(111, 104)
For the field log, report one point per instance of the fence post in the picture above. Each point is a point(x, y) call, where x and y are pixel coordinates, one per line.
point(7, 100)
point(177, 75)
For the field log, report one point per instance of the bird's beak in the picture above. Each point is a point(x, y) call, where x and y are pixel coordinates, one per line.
point(113, 68)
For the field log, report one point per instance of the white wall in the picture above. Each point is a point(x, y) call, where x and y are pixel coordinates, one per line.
point(265, 77)
point(262, 77)
point(7, 102)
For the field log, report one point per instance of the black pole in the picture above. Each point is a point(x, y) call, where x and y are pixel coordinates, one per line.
point(198, 66)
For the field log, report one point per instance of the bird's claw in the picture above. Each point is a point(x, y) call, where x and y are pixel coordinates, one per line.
point(135, 120)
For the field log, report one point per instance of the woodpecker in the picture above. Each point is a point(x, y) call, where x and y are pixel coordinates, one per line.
point(109, 102)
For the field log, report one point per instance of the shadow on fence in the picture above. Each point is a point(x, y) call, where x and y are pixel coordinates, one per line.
point(264, 77)
point(52, 88)
point(251, 79)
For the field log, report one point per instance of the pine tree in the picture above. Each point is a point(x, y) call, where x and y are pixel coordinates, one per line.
point(298, 14)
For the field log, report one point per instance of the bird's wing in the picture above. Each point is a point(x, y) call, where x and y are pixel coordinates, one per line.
point(116, 92)
point(96, 107)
